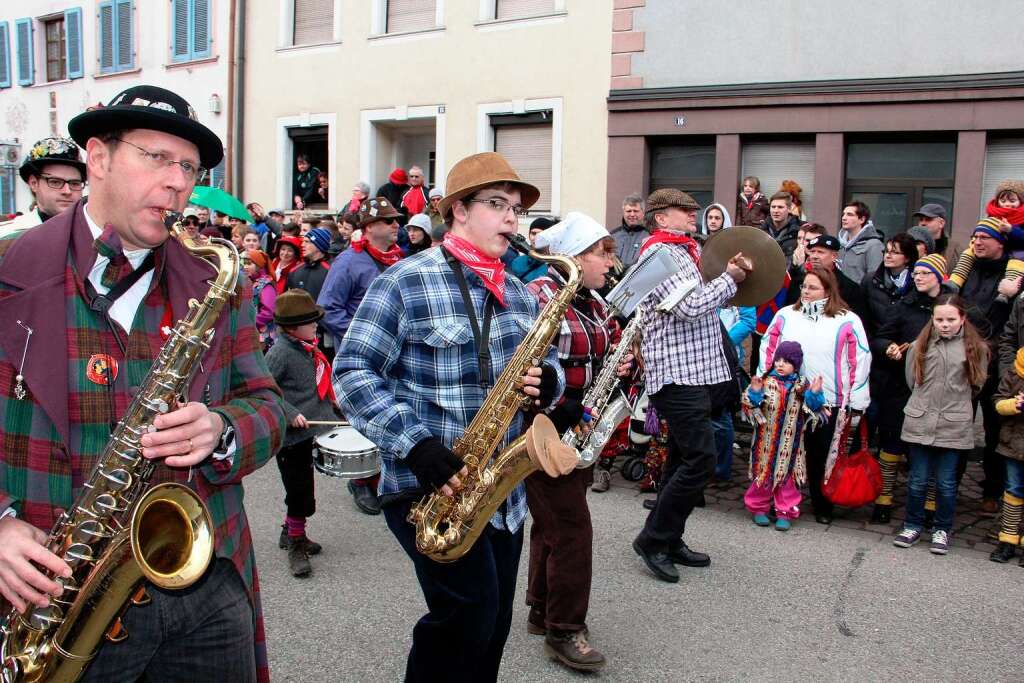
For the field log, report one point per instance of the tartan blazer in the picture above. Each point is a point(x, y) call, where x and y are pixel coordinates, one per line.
point(43, 464)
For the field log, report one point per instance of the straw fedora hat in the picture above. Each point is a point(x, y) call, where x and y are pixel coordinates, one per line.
point(478, 171)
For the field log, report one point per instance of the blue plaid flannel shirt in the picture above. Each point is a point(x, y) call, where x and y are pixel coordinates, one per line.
point(408, 369)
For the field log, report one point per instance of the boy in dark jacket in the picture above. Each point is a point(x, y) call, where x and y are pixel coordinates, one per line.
point(304, 375)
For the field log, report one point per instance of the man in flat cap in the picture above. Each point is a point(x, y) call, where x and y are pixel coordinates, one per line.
point(683, 356)
point(101, 285)
point(54, 172)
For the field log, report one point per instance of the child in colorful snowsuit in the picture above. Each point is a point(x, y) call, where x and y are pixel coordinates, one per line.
point(779, 404)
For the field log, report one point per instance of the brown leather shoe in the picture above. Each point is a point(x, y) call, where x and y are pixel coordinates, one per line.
point(572, 649)
point(298, 560)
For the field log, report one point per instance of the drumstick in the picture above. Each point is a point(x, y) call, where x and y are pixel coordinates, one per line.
point(331, 423)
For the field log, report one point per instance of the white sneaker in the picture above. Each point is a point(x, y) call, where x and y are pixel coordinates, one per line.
point(940, 543)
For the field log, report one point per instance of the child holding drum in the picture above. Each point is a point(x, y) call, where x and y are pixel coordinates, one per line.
point(304, 375)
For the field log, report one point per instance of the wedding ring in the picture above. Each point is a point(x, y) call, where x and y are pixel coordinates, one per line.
point(190, 445)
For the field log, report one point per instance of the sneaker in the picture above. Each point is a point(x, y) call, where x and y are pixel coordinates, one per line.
point(572, 649)
point(761, 519)
point(940, 542)
point(298, 560)
point(906, 538)
point(602, 481)
point(783, 524)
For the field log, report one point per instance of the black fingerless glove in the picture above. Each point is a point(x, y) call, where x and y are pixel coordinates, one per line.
point(432, 462)
point(566, 415)
point(548, 385)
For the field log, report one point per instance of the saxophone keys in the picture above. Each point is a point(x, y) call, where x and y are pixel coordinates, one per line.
point(117, 632)
point(141, 597)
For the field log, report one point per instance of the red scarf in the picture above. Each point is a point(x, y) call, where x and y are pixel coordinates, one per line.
point(386, 258)
point(353, 205)
point(321, 371)
point(414, 201)
point(670, 237)
point(1015, 216)
point(490, 270)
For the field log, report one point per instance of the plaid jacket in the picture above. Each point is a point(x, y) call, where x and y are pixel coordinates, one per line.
point(52, 438)
point(407, 368)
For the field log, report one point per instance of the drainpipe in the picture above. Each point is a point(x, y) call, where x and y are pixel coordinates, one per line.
point(239, 106)
point(229, 143)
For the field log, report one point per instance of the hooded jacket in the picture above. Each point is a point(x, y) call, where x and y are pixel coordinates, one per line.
point(862, 254)
point(703, 227)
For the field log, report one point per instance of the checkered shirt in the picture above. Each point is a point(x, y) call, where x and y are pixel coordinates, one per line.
point(407, 368)
point(684, 346)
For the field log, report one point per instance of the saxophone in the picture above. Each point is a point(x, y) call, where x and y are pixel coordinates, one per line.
point(599, 398)
point(447, 527)
point(120, 531)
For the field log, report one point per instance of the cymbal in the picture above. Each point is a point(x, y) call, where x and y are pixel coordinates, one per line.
point(764, 281)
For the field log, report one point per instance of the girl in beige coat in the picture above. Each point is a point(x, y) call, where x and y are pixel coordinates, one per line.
point(945, 367)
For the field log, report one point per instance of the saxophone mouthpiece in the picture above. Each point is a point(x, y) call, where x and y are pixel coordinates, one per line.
point(519, 243)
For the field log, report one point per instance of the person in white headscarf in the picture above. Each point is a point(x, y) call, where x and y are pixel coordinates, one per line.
point(714, 218)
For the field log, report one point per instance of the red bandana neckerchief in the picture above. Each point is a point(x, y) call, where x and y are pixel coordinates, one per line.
point(414, 201)
point(386, 258)
point(671, 237)
point(322, 369)
point(490, 270)
point(1015, 216)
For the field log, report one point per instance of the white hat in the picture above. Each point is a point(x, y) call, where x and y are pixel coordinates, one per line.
point(421, 221)
point(436, 192)
point(572, 236)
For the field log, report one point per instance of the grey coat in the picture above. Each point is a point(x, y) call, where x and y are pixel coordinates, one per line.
point(939, 412)
point(293, 370)
point(863, 254)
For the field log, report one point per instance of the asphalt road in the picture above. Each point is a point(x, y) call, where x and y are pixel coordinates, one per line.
point(814, 603)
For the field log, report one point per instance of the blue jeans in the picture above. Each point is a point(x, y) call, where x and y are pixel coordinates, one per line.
point(927, 462)
point(1014, 477)
point(725, 435)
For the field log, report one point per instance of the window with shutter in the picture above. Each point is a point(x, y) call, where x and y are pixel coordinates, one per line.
point(773, 162)
point(528, 149)
point(125, 44)
point(5, 56)
point(26, 55)
point(56, 49)
point(314, 22)
point(1003, 159)
point(411, 15)
point(191, 30)
point(515, 9)
point(73, 30)
point(106, 23)
point(117, 33)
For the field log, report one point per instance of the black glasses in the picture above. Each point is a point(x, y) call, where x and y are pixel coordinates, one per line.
point(159, 161)
point(502, 205)
point(55, 183)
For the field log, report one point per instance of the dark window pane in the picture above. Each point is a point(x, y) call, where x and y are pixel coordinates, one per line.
point(683, 161)
point(889, 210)
point(900, 160)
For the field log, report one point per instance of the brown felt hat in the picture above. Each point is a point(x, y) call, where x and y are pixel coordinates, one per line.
point(296, 307)
point(376, 209)
point(669, 197)
point(477, 172)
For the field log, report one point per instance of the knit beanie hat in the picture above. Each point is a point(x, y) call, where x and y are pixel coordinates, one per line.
point(790, 351)
point(921, 234)
point(321, 239)
point(398, 176)
point(991, 227)
point(935, 263)
point(259, 258)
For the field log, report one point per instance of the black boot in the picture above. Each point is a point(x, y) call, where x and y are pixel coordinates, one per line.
point(365, 498)
point(882, 514)
point(1003, 553)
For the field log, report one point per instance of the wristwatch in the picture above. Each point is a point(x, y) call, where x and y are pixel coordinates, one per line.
point(227, 439)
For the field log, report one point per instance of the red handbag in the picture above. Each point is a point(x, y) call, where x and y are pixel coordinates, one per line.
point(856, 478)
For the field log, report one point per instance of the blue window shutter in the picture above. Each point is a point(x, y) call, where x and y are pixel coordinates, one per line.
point(5, 56)
point(125, 45)
point(26, 69)
point(106, 22)
point(200, 29)
point(179, 30)
point(73, 32)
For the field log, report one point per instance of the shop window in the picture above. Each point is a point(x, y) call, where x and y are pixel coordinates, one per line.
point(689, 167)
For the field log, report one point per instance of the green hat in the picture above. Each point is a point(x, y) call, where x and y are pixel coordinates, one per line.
point(296, 307)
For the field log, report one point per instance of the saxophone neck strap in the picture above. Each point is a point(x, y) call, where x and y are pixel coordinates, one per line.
point(480, 337)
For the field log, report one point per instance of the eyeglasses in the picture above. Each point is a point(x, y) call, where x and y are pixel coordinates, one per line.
point(894, 252)
point(502, 205)
point(55, 183)
point(922, 273)
point(159, 161)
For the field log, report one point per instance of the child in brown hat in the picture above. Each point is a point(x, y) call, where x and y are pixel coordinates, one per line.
point(304, 375)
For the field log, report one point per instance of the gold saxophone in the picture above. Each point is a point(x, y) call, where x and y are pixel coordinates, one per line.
point(120, 531)
point(447, 527)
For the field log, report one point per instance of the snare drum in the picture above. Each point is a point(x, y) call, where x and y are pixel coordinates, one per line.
point(344, 452)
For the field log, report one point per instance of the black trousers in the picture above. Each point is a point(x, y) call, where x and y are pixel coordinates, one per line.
point(295, 463)
point(992, 462)
point(817, 441)
point(462, 636)
point(688, 467)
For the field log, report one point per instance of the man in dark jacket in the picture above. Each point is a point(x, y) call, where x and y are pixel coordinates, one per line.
point(783, 226)
point(312, 274)
point(394, 189)
point(416, 198)
point(630, 236)
point(988, 293)
point(823, 251)
point(305, 184)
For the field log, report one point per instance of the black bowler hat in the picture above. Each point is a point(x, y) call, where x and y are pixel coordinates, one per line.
point(52, 150)
point(151, 108)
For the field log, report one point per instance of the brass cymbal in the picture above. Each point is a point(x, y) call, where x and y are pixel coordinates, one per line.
point(764, 281)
